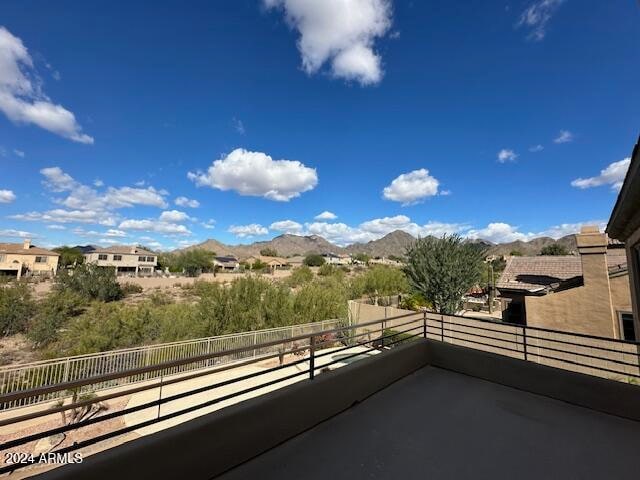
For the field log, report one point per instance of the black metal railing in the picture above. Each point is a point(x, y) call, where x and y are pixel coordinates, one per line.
point(315, 353)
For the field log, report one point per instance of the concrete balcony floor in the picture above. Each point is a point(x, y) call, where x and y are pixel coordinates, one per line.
point(437, 424)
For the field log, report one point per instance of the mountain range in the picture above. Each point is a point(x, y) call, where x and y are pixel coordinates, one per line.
point(394, 243)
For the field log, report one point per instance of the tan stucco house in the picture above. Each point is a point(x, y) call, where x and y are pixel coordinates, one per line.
point(125, 259)
point(586, 293)
point(624, 225)
point(24, 259)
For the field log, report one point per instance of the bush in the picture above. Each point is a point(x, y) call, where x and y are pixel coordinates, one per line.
point(382, 281)
point(90, 281)
point(321, 300)
point(326, 270)
point(69, 256)
point(554, 249)
point(52, 314)
point(129, 288)
point(258, 265)
point(300, 276)
point(414, 301)
point(314, 260)
point(269, 252)
point(16, 307)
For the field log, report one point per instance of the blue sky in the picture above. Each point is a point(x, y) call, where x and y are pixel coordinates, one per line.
point(494, 119)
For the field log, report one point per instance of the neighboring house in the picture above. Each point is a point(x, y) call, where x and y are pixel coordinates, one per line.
point(385, 261)
point(274, 263)
point(333, 259)
point(587, 293)
point(125, 259)
point(24, 259)
point(624, 225)
point(228, 263)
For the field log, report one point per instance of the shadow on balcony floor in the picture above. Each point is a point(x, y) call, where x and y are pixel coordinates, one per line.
point(439, 424)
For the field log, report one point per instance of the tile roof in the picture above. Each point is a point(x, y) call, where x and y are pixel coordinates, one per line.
point(122, 249)
point(535, 274)
point(18, 248)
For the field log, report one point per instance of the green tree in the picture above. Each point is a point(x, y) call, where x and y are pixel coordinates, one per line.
point(443, 270)
point(258, 265)
point(16, 307)
point(90, 281)
point(362, 257)
point(313, 260)
point(554, 249)
point(383, 281)
point(69, 256)
point(196, 261)
point(515, 253)
point(269, 252)
point(327, 269)
point(320, 300)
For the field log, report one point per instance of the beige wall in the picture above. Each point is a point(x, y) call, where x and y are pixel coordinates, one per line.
point(128, 260)
point(29, 261)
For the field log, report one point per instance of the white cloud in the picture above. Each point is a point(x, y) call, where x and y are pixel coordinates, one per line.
point(507, 155)
point(60, 215)
point(186, 202)
point(244, 231)
point(537, 16)
point(286, 226)
point(152, 225)
point(7, 196)
point(173, 216)
point(238, 126)
point(112, 232)
point(56, 227)
point(340, 32)
point(257, 174)
point(411, 188)
point(209, 224)
point(21, 96)
point(98, 183)
point(498, 232)
point(536, 148)
point(326, 215)
point(565, 136)
point(11, 233)
point(18, 153)
point(56, 180)
point(612, 175)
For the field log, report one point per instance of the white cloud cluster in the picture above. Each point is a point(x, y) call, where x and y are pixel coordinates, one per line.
point(612, 175)
point(537, 16)
point(536, 148)
point(500, 232)
point(257, 174)
point(287, 226)
point(565, 136)
point(153, 225)
point(7, 196)
point(174, 216)
point(246, 231)
point(411, 188)
point(507, 155)
point(341, 32)
point(60, 215)
point(11, 233)
point(21, 96)
point(187, 202)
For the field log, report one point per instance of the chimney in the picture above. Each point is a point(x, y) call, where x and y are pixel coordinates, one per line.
point(133, 249)
point(26, 244)
point(592, 246)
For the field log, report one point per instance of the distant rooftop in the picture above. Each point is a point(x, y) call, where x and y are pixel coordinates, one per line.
point(121, 249)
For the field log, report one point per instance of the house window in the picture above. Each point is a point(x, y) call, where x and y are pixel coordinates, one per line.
point(627, 329)
point(142, 259)
point(150, 259)
point(41, 259)
point(117, 258)
point(102, 256)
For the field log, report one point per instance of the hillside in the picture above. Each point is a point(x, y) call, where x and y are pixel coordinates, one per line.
point(394, 243)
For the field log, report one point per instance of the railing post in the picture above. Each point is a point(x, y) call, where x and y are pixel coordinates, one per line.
point(65, 375)
point(382, 328)
point(442, 327)
point(424, 324)
point(524, 342)
point(312, 357)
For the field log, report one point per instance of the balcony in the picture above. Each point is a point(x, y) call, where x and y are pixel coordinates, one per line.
point(421, 407)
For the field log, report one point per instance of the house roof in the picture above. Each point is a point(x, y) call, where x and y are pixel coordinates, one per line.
point(18, 248)
point(541, 273)
point(121, 249)
point(269, 260)
point(625, 218)
point(226, 259)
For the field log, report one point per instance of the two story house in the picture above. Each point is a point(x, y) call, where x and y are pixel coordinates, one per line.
point(127, 260)
point(18, 259)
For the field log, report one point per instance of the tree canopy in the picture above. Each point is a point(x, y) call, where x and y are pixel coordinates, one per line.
point(554, 249)
point(314, 260)
point(69, 256)
point(443, 270)
point(269, 252)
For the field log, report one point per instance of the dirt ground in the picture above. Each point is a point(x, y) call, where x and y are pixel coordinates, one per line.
point(16, 349)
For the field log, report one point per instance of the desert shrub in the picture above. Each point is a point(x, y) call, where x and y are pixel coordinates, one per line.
point(69, 256)
point(414, 301)
point(269, 252)
point(16, 307)
point(90, 281)
point(326, 270)
point(313, 260)
point(382, 281)
point(321, 300)
point(52, 313)
point(258, 265)
point(129, 288)
point(300, 276)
